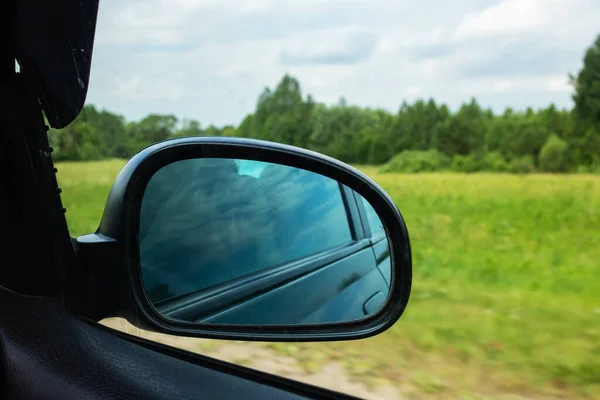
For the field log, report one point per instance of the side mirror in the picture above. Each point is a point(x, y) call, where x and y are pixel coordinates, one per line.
point(247, 240)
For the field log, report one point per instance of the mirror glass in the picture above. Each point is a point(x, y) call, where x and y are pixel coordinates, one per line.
point(227, 241)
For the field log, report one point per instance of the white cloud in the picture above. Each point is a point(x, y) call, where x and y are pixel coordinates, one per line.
point(508, 17)
point(210, 59)
point(412, 91)
point(347, 45)
point(501, 86)
point(559, 84)
point(133, 88)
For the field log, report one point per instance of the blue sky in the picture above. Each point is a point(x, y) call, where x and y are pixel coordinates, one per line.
point(210, 59)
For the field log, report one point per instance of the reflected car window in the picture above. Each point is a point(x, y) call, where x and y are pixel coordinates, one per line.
point(232, 218)
point(373, 219)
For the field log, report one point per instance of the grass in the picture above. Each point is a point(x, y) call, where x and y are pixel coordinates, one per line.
point(506, 292)
point(85, 188)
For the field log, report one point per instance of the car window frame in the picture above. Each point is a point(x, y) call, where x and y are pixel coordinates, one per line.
point(364, 218)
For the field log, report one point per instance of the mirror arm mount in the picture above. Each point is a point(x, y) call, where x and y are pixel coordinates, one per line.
point(103, 287)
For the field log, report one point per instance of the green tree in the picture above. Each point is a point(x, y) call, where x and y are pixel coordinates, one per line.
point(557, 121)
point(587, 89)
point(228, 131)
point(585, 150)
point(584, 141)
point(153, 128)
point(423, 135)
point(415, 125)
point(212, 131)
point(462, 133)
point(281, 115)
point(517, 135)
point(189, 127)
point(554, 155)
point(110, 128)
point(76, 142)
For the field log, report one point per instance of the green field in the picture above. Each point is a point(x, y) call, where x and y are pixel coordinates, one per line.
point(506, 292)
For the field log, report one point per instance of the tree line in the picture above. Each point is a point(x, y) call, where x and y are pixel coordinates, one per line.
point(420, 136)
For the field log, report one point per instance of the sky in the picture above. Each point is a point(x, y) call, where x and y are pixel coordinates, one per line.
point(210, 59)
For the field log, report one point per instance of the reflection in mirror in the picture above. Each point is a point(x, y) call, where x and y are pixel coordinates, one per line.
point(227, 241)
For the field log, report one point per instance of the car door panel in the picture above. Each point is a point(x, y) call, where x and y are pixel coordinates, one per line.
point(355, 276)
point(198, 305)
point(356, 301)
point(374, 303)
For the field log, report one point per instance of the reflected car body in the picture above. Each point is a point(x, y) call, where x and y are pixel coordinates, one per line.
point(246, 248)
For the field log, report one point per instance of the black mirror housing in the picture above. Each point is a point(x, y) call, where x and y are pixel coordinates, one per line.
point(112, 283)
